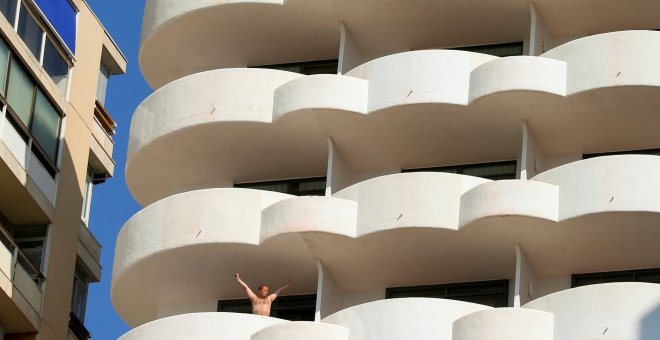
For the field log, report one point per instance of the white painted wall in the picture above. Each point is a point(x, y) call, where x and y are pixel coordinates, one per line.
point(540, 37)
point(526, 279)
point(532, 156)
point(350, 55)
point(551, 284)
point(329, 298)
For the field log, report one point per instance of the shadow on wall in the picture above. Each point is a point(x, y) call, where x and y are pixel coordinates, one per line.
point(650, 327)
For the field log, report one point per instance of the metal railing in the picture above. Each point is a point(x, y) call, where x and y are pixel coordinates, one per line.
point(19, 257)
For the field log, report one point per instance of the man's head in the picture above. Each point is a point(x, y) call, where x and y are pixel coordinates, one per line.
point(263, 291)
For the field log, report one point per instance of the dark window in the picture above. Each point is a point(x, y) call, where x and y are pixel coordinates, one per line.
point(292, 308)
point(492, 171)
point(56, 65)
point(489, 293)
point(641, 275)
point(30, 111)
point(498, 50)
point(8, 9)
point(30, 32)
point(299, 187)
point(655, 152)
point(308, 68)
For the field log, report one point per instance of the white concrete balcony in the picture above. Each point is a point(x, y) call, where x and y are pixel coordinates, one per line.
point(28, 193)
point(419, 222)
point(204, 326)
point(504, 323)
point(20, 296)
point(394, 112)
point(409, 318)
point(627, 310)
point(300, 30)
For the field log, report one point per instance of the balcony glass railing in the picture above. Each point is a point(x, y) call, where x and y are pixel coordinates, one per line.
point(19, 257)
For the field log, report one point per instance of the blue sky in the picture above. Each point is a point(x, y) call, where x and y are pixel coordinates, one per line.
point(112, 204)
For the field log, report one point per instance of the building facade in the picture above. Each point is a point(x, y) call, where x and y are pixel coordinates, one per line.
point(432, 169)
point(55, 145)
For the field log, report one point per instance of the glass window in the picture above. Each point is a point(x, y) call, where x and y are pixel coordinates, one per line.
point(493, 171)
point(46, 126)
point(4, 64)
point(489, 293)
point(292, 308)
point(641, 275)
point(87, 198)
point(31, 240)
point(299, 187)
point(8, 9)
point(498, 50)
point(20, 93)
point(102, 86)
point(56, 66)
point(79, 298)
point(30, 32)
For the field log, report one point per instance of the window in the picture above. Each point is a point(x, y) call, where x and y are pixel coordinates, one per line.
point(62, 16)
point(4, 66)
point(20, 92)
point(30, 111)
point(655, 152)
point(493, 171)
point(79, 303)
point(8, 9)
point(30, 32)
point(298, 187)
point(498, 50)
point(642, 275)
point(31, 240)
point(56, 66)
point(308, 68)
point(102, 86)
point(489, 293)
point(87, 198)
point(292, 308)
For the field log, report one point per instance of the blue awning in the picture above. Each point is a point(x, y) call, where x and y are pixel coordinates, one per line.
point(62, 16)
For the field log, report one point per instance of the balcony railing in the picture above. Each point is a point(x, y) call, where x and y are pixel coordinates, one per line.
point(105, 120)
point(19, 257)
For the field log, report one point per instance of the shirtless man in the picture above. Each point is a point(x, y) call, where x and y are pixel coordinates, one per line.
point(262, 300)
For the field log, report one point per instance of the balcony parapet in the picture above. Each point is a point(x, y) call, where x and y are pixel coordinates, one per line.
point(626, 310)
point(504, 323)
point(406, 318)
point(262, 124)
point(424, 216)
point(203, 326)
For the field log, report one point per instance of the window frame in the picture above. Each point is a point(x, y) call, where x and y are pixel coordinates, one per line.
point(278, 306)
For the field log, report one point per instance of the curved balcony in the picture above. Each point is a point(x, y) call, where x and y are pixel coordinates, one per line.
point(200, 239)
point(309, 214)
point(203, 326)
point(504, 323)
point(302, 330)
point(627, 310)
point(409, 318)
point(613, 184)
point(242, 32)
point(213, 128)
point(509, 198)
point(605, 60)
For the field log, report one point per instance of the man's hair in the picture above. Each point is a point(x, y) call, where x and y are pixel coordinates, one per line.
point(262, 286)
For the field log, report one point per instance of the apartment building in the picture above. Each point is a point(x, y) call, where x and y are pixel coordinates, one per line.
point(430, 169)
point(55, 145)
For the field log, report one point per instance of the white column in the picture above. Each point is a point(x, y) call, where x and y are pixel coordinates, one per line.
point(540, 37)
point(350, 55)
point(329, 298)
point(532, 156)
point(526, 280)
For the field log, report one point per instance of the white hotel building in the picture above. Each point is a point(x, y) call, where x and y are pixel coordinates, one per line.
point(421, 169)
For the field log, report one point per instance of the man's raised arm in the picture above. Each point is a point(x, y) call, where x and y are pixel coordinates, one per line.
point(248, 291)
point(279, 290)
